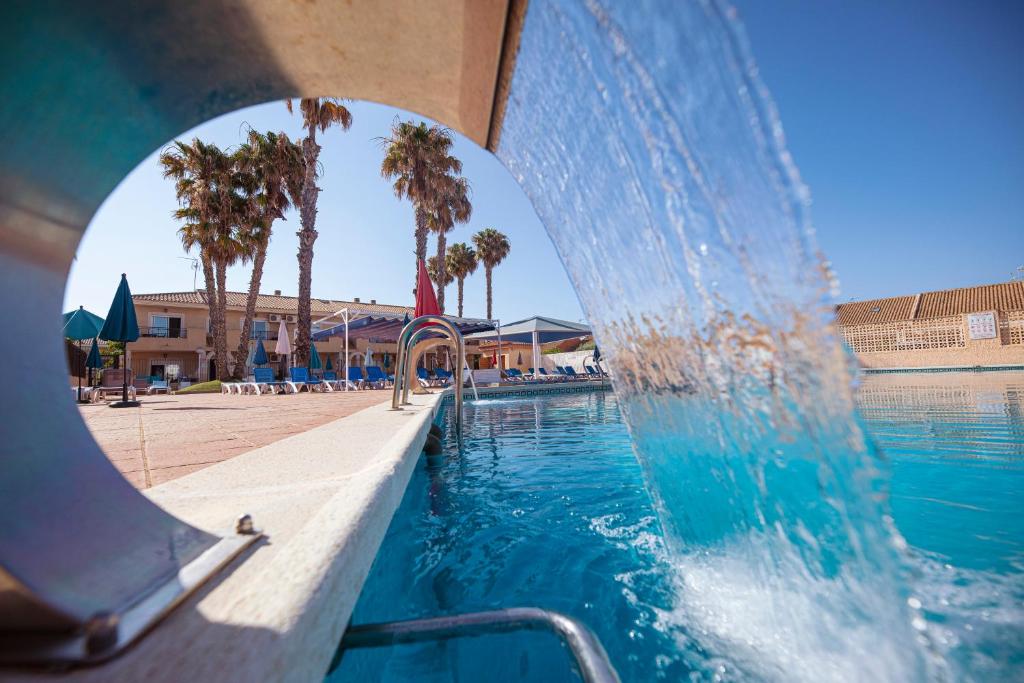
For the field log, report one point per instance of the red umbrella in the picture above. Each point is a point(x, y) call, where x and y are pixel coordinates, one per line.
point(426, 302)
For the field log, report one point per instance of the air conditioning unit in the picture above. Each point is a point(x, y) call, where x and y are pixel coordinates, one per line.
point(274, 318)
point(273, 357)
point(290, 318)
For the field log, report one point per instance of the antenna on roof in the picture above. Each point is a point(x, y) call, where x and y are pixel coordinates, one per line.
point(195, 268)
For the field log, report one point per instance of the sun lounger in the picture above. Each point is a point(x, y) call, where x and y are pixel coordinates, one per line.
point(592, 372)
point(158, 386)
point(514, 374)
point(299, 379)
point(444, 378)
point(263, 380)
point(571, 373)
point(376, 376)
point(111, 382)
point(355, 377)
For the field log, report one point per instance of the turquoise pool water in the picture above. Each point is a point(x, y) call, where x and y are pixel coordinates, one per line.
point(545, 505)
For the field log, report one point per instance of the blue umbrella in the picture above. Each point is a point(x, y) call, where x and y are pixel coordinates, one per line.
point(314, 358)
point(82, 324)
point(79, 325)
point(94, 361)
point(122, 326)
point(387, 359)
point(329, 366)
point(260, 357)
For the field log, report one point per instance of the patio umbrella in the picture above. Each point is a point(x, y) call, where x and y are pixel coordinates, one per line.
point(328, 366)
point(387, 360)
point(283, 347)
point(122, 326)
point(94, 361)
point(314, 358)
point(367, 356)
point(426, 302)
point(79, 325)
point(519, 358)
point(260, 357)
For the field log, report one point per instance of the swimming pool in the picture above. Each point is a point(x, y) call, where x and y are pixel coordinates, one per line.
point(544, 505)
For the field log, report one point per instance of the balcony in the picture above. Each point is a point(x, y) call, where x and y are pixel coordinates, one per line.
point(263, 335)
point(165, 332)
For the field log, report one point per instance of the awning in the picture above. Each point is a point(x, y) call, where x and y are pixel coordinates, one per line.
point(388, 327)
point(546, 329)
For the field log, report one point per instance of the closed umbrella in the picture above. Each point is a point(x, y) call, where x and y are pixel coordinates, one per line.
point(284, 346)
point(519, 358)
point(94, 361)
point(79, 325)
point(329, 366)
point(368, 356)
point(259, 357)
point(426, 301)
point(122, 326)
point(314, 358)
point(387, 360)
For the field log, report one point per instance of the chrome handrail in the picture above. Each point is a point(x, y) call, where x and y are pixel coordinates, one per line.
point(415, 329)
point(591, 658)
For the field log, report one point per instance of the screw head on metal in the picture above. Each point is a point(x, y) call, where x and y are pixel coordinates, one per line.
point(101, 632)
point(244, 525)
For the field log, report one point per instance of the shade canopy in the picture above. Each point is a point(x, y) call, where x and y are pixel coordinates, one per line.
point(546, 329)
point(260, 357)
point(314, 358)
point(388, 327)
point(94, 360)
point(426, 301)
point(81, 324)
point(121, 324)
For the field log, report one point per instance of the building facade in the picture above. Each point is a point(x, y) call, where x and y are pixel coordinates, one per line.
point(175, 341)
point(958, 328)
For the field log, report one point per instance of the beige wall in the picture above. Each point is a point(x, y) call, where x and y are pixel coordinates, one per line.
point(1005, 349)
point(194, 340)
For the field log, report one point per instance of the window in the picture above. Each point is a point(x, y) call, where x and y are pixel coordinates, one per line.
point(168, 371)
point(260, 328)
point(166, 326)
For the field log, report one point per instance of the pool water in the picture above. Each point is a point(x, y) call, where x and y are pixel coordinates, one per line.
point(544, 505)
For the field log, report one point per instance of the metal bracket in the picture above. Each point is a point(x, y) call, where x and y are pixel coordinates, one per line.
point(591, 659)
point(106, 634)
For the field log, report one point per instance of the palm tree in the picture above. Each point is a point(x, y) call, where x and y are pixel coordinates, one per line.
point(417, 160)
point(436, 274)
point(207, 189)
point(272, 170)
point(451, 206)
point(461, 263)
point(318, 113)
point(491, 248)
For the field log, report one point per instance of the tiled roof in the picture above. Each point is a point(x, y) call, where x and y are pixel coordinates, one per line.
point(1008, 296)
point(272, 302)
point(875, 311)
point(1005, 296)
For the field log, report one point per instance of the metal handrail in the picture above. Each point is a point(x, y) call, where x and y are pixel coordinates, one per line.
point(591, 659)
point(415, 329)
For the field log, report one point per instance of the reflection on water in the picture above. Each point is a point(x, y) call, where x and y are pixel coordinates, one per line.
point(955, 442)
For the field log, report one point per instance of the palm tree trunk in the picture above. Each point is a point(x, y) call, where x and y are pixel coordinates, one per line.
point(462, 281)
point(242, 353)
point(487, 270)
point(220, 328)
point(211, 290)
point(442, 269)
point(307, 236)
point(421, 242)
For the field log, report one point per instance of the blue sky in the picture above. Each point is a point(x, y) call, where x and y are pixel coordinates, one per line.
point(905, 120)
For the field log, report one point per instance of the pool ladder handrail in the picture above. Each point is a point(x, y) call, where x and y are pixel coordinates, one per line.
point(415, 331)
point(590, 656)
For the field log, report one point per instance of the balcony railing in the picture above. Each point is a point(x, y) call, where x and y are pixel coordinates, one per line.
point(166, 332)
point(264, 335)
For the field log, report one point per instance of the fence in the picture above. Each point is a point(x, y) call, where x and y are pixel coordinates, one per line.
point(911, 335)
point(1013, 327)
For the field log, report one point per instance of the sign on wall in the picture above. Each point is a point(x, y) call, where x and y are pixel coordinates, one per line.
point(981, 325)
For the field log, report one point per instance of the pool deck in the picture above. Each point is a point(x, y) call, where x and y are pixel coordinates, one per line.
point(323, 498)
point(167, 437)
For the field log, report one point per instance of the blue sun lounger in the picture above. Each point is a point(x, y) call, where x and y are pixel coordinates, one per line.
point(376, 376)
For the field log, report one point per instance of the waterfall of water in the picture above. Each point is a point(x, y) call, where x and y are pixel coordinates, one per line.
point(654, 156)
